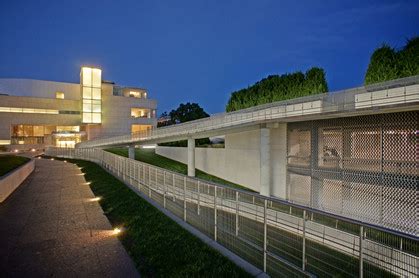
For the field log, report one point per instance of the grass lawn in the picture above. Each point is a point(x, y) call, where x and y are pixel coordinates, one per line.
point(11, 162)
point(158, 246)
point(149, 156)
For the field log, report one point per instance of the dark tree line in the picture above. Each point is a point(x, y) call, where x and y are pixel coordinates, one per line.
point(279, 87)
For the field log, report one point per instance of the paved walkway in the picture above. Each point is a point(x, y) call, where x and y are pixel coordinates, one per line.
point(50, 227)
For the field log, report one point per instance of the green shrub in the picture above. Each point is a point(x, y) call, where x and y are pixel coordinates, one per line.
point(279, 87)
point(386, 63)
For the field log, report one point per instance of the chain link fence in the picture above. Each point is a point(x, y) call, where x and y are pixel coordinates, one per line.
point(364, 168)
point(281, 238)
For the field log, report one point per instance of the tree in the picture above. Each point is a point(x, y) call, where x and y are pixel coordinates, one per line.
point(185, 113)
point(164, 120)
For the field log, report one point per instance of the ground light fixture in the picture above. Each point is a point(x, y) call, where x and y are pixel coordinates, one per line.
point(65, 161)
point(32, 150)
point(117, 230)
point(95, 199)
point(52, 158)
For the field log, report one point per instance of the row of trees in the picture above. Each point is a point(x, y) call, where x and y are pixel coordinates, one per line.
point(279, 87)
point(386, 63)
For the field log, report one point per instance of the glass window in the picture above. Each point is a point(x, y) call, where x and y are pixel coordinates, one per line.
point(87, 107)
point(96, 118)
point(97, 78)
point(330, 147)
point(49, 129)
point(28, 130)
point(59, 95)
point(299, 147)
point(87, 92)
point(363, 149)
point(87, 77)
point(96, 108)
point(97, 93)
point(38, 130)
point(87, 117)
point(17, 130)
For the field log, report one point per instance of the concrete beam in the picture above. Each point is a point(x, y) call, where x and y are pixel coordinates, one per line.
point(191, 157)
point(131, 152)
point(265, 161)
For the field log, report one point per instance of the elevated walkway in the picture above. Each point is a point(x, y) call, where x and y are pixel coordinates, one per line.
point(392, 96)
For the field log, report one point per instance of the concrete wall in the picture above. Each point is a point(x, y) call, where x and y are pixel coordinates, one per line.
point(8, 119)
point(116, 112)
point(239, 161)
point(12, 180)
point(39, 88)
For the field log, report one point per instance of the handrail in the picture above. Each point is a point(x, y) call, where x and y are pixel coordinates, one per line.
point(374, 250)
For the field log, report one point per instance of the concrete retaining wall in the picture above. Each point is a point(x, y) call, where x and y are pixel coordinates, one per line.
point(239, 161)
point(10, 181)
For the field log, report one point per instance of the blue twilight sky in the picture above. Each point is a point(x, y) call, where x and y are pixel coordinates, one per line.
point(198, 51)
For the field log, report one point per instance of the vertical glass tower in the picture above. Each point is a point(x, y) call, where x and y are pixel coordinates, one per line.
point(91, 89)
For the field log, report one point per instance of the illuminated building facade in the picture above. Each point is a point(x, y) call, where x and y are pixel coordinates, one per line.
point(37, 113)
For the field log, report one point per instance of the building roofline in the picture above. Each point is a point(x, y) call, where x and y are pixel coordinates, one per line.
point(40, 80)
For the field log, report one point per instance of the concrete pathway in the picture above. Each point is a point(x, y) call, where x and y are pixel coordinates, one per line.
point(51, 227)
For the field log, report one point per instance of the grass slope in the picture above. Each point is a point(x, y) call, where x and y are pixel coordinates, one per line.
point(158, 246)
point(11, 162)
point(149, 156)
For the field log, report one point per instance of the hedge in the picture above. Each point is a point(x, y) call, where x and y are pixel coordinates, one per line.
point(386, 63)
point(279, 87)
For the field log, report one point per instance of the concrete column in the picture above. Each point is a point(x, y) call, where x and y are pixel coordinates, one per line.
point(131, 152)
point(191, 157)
point(279, 161)
point(265, 161)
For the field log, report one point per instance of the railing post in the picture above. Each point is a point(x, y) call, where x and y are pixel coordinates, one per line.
point(237, 213)
point(149, 181)
point(184, 199)
point(156, 186)
point(173, 187)
point(265, 233)
point(304, 241)
point(164, 189)
point(215, 213)
point(199, 197)
point(361, 252)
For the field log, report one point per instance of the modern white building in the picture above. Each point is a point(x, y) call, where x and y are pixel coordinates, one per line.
point(37, 113)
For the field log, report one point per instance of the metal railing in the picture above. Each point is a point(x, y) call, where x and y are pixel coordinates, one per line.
point(377, 96)
point(281, 238)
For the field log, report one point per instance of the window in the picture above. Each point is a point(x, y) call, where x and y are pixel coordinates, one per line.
point(140, 128)
point(59, 95)
point(299, 147)
point(137, 94)
point(330, 150)
point(140, 113)
point(91, 82)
